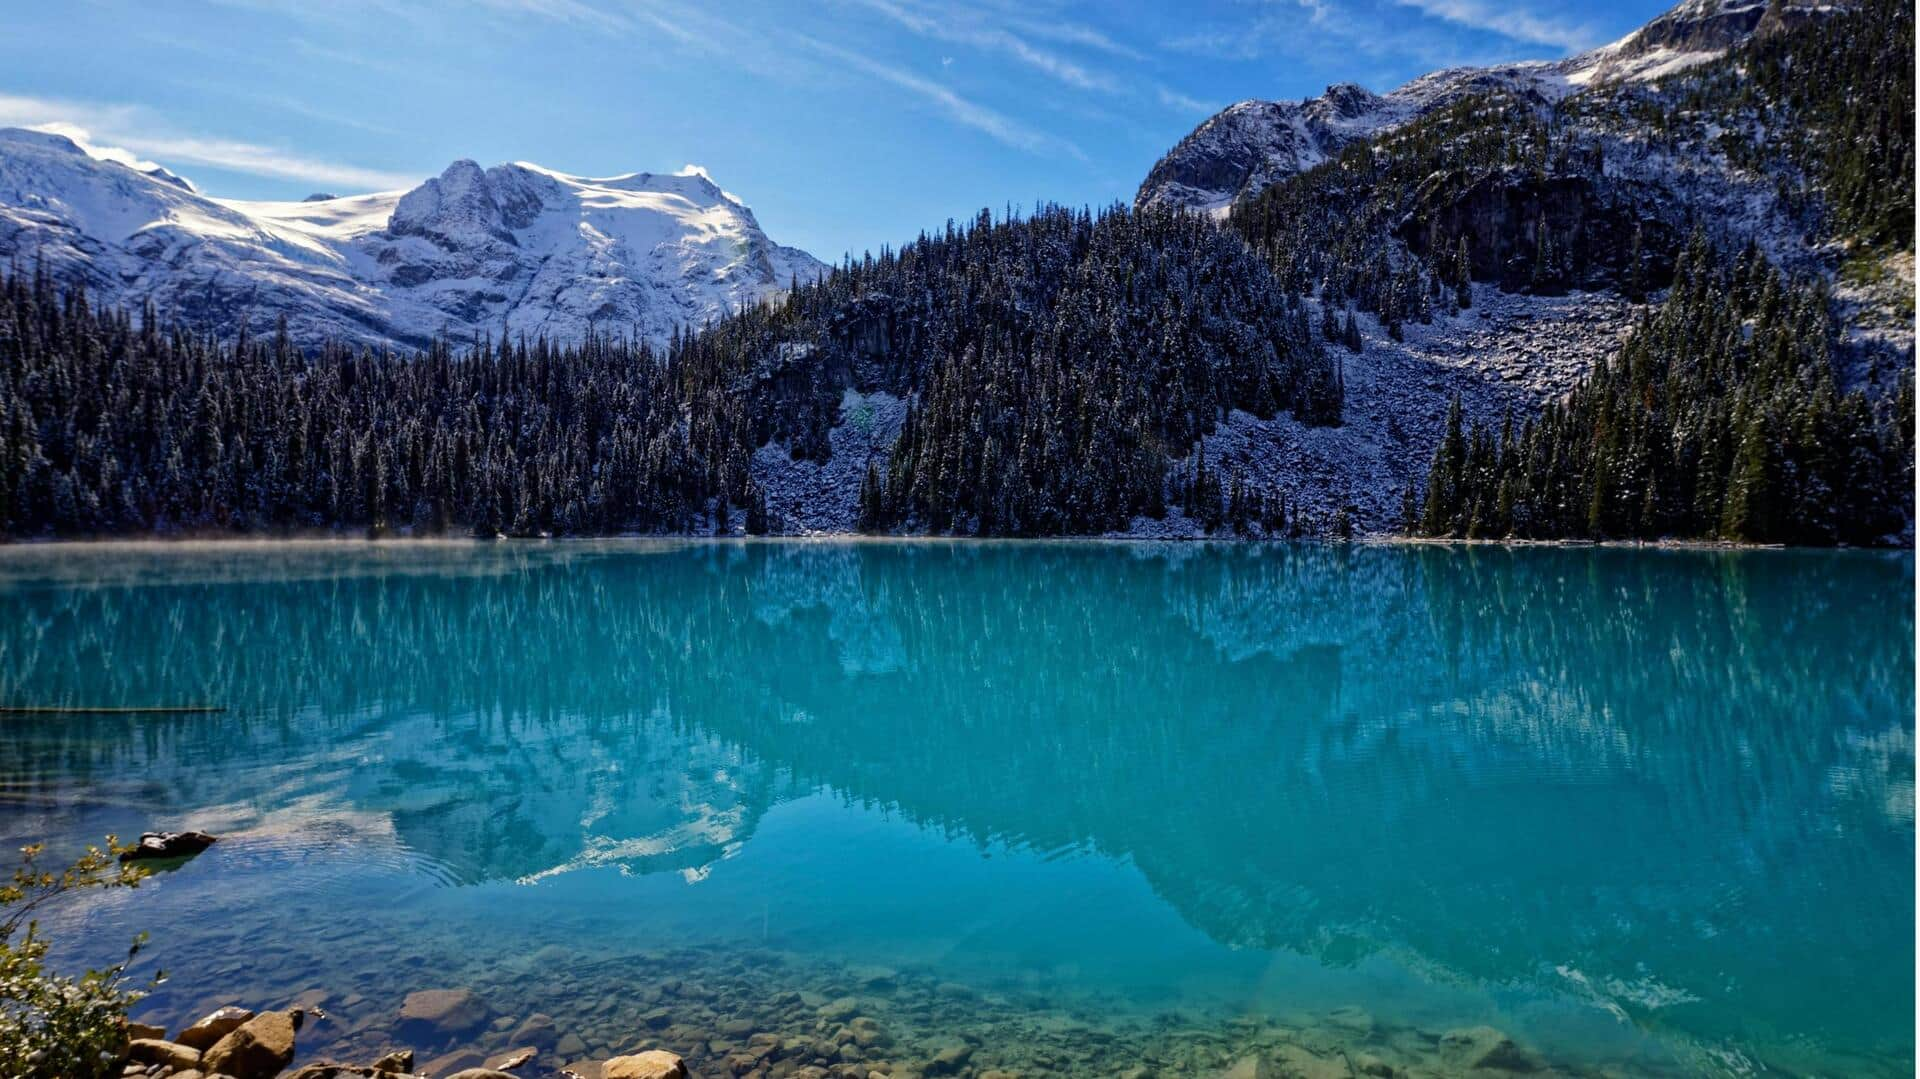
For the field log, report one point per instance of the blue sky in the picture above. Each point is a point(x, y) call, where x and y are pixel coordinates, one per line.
point(845, 124)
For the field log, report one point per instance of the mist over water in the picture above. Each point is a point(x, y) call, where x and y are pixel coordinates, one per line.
point(1637, 808)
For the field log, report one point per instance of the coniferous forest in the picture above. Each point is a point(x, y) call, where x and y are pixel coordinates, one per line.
point(1719, 418)
point(1057, 364)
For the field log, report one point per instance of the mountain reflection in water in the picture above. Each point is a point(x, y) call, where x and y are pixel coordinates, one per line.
point(1675, 784)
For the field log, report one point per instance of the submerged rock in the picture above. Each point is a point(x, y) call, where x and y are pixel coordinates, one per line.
point(512, 1059)
point(652, 1064)
point(459, 1060)
point(439, 1014)
point(331, 1070)
point(155, 846)
point(538, 1030)
point(1485, 1048)
point(950, 1060)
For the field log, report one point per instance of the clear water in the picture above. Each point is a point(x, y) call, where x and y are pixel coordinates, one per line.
point(1644, 811)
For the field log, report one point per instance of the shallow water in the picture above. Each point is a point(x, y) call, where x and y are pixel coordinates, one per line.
point(1644, 811)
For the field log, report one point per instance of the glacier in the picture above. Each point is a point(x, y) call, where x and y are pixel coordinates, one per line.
point(513, 250)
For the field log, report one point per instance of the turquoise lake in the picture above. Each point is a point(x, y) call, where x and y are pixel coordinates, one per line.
point(1072, 804)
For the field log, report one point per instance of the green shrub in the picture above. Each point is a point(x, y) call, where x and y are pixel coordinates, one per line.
point(54, 1025)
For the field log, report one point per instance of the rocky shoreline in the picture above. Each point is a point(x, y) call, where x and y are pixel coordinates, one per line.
point(759, 1016)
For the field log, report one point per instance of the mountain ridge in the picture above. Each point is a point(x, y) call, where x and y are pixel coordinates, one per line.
point(471, 253)
point(1253, 143)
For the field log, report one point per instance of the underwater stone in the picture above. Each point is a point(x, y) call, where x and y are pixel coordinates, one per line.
point(652, 1064)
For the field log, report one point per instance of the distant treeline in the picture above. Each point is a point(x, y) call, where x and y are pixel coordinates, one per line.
point(1058, 366)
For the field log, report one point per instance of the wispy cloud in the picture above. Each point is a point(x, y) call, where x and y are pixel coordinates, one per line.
point(959, 109)
point(573, 11)
point(1070, 33)
point(1178, 101)
point(1509, 21)
point(129, 134)
point(1310, 31)
point(967, 29)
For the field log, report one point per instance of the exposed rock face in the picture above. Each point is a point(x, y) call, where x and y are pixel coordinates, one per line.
point(259, 1049)
point(1711, 25)
point(1602, 231)
point(1254, 143)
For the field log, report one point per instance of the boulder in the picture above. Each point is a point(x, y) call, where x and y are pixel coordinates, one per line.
point(136, 1031)
point(867, 1033)
point(536, 1030)
point(1485, 1048)
point(154, 1051)
point(1368, 1064)
point(950, 1060)
point(159, 845)
point(512, 1059)
point(258, 1049)
point(213, 1027)
point(397, 1061)
point(439, 1014)
point(841, 1010)
point(480, 1073)
point(457, 1061)
point(1296, 1062)
point(652, 1064)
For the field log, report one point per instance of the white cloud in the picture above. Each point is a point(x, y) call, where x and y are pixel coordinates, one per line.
point(1509, 21)
point(84, 139)
point(130, 134)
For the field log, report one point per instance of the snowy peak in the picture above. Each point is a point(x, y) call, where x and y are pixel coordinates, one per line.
point(456, 207)
point(512, 249)
point(1252, 144)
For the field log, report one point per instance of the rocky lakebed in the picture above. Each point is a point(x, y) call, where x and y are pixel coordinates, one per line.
point(770, 1015)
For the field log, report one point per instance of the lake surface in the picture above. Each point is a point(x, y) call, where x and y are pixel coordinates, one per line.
point(1076, 805)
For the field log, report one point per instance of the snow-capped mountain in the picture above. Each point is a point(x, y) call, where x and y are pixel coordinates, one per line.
point(1249, 145)
point(513, 249)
